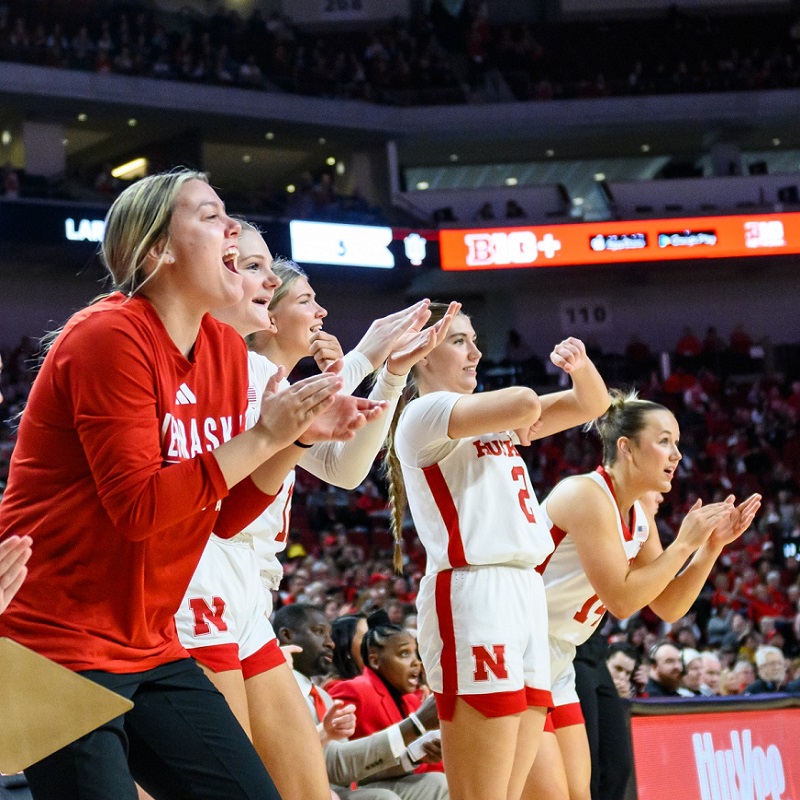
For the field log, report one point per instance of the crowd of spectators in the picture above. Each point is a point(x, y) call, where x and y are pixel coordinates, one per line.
point(435, 58)
point(739, 434)
point(401, 63)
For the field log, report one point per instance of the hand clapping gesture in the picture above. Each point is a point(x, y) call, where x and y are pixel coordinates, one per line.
point(14, 554)
point(289, 413)
point(416, 344)
point(737, 521)
point(385, 334)
point(700, 522)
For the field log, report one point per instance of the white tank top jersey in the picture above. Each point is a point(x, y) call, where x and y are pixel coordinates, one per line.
point(471, 499)
point(573, 607)
point(268, 534)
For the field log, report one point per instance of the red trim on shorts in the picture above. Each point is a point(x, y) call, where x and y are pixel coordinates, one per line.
point(570, 714)
point(263, 660)
point(447, 508)
point(540, 698)
point(548, 722)
point(444, 612)
point(496, 704)
point(217, 657)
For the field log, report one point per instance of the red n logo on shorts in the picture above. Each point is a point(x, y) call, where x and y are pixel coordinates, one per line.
point(203, 615)
point(485, 661)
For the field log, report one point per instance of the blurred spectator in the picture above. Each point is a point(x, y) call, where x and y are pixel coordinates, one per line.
point(710, 682)
point(514, 210)
point(688, 347)
point(639, 357)
point(692, 673)
point(713, 348)
point(771, 667)
point(621, 662)
point(745, 674)
point(347, 633)
point(740, 341)
point(666, 670)
point(485, 212)
point(730, 683)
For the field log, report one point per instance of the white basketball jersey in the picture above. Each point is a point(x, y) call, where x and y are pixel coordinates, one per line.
point(268, 534)
point(573, 607)
point(471, 499)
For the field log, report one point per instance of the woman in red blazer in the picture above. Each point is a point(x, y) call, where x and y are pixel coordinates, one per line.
point(386, 692)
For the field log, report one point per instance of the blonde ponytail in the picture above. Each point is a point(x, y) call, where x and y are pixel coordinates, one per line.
point(625, 417)
point(398, 499)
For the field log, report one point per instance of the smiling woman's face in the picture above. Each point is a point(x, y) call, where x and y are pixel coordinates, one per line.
point(259, 282)
point(296, 316)
point(452, 366)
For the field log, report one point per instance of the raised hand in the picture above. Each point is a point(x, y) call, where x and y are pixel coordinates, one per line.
point(325, 349)
point(700, 522)
point(413, 346)
point(286, 413)
point(737, 522)
point(340, 720)
point(340, 421)
point(14, 554)
point(384, 334)
point(569, 355)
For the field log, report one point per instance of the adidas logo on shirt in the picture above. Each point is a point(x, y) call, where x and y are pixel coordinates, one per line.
point(184, 396)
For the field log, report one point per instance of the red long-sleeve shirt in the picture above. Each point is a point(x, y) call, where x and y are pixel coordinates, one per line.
point(113, 477)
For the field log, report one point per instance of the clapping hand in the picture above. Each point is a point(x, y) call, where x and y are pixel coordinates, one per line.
point(414, 345)
point(383, 336)
point(737, 521)
point(14, 554)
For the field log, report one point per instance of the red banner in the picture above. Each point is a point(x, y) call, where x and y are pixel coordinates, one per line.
point(733, 755)
point(620, 242)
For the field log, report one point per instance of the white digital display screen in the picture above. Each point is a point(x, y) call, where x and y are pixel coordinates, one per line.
point(341, 245)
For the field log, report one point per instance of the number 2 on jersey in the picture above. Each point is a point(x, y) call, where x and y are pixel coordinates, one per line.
point(518, 474)
point(591, 606)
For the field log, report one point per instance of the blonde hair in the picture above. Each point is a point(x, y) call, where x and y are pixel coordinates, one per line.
point(249, 227)
point(137, 220)
point(626, 416)
point(398, 497)
point(288, 271)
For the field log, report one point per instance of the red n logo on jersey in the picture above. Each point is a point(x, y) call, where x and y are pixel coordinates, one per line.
point(485, 661)
point(203, 615)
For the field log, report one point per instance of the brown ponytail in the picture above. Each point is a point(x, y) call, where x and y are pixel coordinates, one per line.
point(398, 499)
